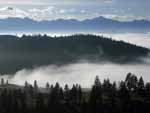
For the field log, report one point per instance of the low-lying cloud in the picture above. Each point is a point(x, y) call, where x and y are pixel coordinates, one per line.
point(81, 73)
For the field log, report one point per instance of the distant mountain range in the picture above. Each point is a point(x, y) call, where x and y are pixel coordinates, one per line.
point(99, 24)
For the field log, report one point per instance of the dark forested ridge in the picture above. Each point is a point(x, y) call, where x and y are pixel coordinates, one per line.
point(28, 51)
point(129, 96)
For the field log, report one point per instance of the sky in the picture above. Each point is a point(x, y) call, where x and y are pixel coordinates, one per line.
point(123, 10)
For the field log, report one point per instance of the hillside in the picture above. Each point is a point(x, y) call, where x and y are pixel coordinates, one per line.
point(29, 51)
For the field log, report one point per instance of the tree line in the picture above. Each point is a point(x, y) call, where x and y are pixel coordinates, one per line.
point(129, 96)
point(29, 51)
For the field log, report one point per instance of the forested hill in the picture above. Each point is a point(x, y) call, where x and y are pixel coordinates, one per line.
point(28, 51)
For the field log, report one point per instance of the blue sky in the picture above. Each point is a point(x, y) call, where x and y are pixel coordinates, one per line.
point(78, 9)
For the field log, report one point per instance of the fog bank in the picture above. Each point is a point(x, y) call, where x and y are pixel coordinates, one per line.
point(82, 73)
point(141, 39)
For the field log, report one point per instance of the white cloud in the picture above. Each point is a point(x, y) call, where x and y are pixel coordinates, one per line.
point(129, 17)
point(83, 11)
point(39, 2)
point(77, 73)
point(49, 13)
point(53, 12)
point(67, 11)
point(62, 11)
point(12, 12)
point(27, 2)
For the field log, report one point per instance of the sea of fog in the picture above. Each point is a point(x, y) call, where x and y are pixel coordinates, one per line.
point(84, 72)
point(81, 73)
point(141, 39)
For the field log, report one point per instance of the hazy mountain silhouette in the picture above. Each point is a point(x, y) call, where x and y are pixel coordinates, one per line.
point(99, 24)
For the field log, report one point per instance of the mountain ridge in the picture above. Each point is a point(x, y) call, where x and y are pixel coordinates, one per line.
point(98, 24)
point(29, 51)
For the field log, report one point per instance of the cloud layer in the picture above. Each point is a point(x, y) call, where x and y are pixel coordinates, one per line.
point(81, 73)
point(48, 13)
point(78, 9)
point(55, 12)
point(39, 2)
